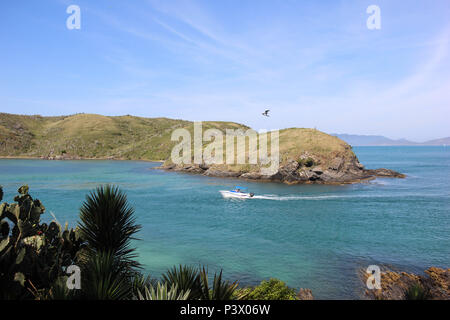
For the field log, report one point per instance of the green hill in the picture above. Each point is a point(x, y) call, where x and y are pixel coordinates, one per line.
point(306, 155)
point(92, 136)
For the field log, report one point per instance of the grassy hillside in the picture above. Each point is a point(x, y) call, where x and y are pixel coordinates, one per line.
point(129, 137)
point(93, 136)
point(295, 143)
point(302, 145)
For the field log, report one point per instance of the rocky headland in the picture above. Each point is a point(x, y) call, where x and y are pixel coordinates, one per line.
point(307, 156)
point(339, 171)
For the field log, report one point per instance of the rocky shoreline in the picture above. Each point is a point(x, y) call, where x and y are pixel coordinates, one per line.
point(64, 157)
point(435, 283)
point(307, 170)
point(339, 171)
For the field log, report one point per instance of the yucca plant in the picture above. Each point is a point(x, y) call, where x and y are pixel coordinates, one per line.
point(141, 282)
point(417, 292)
point(221, 290)
point(104, 279)
point(163, 293)
point(108, 224)
point(185, 278)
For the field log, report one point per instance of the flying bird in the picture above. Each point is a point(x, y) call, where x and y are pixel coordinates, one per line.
point(266, 113)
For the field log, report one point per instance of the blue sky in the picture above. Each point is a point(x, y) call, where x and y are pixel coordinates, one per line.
point(313, 63)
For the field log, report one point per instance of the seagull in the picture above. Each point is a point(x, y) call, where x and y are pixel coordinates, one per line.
point(266, 113)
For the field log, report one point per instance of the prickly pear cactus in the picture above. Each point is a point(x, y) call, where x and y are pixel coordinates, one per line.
point(32, 255)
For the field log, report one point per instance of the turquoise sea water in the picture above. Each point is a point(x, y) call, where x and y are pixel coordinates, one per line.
point(311, 236)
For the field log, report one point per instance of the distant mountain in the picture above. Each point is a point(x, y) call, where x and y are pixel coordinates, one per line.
point(373, 140)
point(439, 142)
point(363, 140)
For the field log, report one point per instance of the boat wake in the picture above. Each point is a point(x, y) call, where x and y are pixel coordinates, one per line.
point(291, 198)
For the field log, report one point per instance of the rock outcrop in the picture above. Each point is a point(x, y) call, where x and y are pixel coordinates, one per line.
point(305, 156)
point(394, 285)
point(339, 170)
point(305, 294)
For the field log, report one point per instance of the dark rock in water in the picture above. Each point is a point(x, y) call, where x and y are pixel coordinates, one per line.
point(305, 294)
point(434, 285)
point(385, 173)
point(196, 170)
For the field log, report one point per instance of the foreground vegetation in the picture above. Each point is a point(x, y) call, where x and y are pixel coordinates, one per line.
point(34, 257)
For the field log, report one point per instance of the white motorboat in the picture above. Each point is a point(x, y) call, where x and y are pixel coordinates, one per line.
point(237, 192)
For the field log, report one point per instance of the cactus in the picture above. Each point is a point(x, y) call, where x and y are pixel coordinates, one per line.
point(32, 255)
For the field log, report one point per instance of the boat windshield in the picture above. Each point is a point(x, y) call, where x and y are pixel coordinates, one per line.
point(239, 189)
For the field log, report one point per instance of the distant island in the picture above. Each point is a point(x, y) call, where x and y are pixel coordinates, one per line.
point(374, 140)
point(306, 155)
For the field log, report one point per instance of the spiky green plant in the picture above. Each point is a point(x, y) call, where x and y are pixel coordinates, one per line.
point(108, 225)
point(196, 281)
point(417, 292)
point(163, 293)
point(103, 278)
point(221, 290)
point(141, 282)
point(60, 291)
point(185, 278)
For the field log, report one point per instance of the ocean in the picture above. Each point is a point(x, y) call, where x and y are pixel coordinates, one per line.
point(310, 236)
